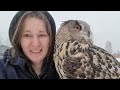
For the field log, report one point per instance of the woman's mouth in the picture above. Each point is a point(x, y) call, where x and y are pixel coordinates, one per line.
point(36, 51)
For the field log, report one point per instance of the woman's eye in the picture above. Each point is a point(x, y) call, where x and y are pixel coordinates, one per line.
point(27, 35)
point(42, 35)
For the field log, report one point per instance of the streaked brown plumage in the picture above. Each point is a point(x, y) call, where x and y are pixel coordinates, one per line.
point(76, 57)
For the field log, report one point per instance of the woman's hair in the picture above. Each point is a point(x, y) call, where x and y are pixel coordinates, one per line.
point(19, 28)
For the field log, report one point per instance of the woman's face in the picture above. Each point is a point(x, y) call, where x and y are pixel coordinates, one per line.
point(35, 40)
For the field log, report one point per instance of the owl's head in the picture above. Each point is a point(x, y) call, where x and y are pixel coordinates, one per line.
point(78, 29)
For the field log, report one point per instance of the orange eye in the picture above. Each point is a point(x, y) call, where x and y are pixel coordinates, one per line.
point(78, 27)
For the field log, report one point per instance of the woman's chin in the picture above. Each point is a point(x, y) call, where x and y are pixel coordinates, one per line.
point(36, 56)
point(36, 59)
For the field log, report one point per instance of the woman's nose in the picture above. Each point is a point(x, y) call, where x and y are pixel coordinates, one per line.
point(35, 41)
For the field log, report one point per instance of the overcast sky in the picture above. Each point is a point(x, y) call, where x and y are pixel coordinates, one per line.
point(105, 25)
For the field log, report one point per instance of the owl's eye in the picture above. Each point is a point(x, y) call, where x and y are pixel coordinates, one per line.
point(78, 27)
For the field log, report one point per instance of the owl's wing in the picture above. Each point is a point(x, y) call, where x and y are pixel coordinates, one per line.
point(73, 62)
point(106, 66)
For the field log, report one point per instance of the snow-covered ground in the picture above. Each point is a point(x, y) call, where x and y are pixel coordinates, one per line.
point(118, 59)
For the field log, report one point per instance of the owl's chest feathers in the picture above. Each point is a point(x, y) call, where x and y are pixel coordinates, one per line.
point(85, 44)
point(73, 48)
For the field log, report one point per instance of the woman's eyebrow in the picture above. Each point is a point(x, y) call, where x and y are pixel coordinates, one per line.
point(42, 31)
point(27, 31)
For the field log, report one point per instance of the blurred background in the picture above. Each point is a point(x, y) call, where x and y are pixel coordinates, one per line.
point(105, 26)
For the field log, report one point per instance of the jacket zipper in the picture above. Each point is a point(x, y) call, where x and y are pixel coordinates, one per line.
point(34, 74)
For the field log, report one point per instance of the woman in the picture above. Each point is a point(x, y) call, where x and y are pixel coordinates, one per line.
point(32, 35)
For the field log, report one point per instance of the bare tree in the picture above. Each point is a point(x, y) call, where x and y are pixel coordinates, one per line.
point(118, 53)
point(108, 47)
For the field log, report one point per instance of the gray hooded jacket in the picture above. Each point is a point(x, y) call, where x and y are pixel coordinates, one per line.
point(18, 67)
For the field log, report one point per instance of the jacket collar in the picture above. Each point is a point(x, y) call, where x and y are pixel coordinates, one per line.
point(13, 59)
point(21, 62)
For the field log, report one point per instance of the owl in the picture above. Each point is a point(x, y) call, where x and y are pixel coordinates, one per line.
point(76, 56)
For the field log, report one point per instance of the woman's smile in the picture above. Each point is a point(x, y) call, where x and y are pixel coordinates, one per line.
point(36, 51)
